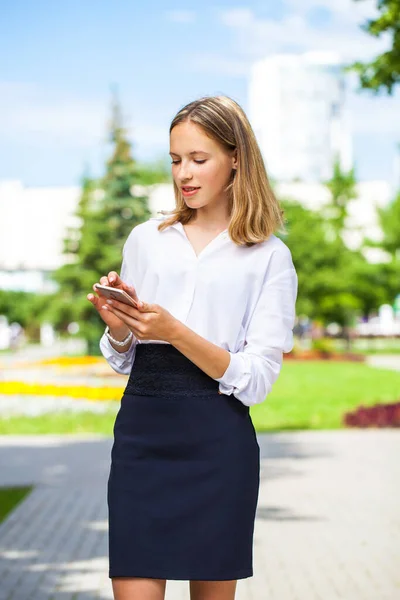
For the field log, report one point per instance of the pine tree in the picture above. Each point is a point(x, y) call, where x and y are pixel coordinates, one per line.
point(72, 277)
point(121, 207)
point(107, 212)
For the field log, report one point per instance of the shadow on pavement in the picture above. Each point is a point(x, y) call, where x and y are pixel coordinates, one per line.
point(54, 544)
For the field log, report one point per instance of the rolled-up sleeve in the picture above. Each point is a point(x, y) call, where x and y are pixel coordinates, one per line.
point(251, 373)
point(121, 362)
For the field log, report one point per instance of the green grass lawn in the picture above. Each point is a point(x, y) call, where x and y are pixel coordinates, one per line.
point(307, 395)
point(10, 497)
point(316, 394)
point(60, 422)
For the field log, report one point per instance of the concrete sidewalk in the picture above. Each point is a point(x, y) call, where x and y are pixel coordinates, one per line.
point(327, 524)
point(384, 361)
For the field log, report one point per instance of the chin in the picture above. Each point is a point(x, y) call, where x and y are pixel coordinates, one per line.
point(193, 203)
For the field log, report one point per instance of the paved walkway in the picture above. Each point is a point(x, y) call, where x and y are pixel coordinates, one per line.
point(384, 361)
point(327, 524)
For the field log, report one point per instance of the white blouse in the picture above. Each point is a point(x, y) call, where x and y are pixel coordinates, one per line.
point(239, 298)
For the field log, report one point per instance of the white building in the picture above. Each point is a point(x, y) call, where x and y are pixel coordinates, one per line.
point(33, 225)
point(297, 111)
point(34, 222)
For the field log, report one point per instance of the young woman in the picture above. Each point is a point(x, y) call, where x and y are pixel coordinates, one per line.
point(218, 292)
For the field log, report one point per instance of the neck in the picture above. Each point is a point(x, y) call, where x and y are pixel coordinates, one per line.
point(213, 221)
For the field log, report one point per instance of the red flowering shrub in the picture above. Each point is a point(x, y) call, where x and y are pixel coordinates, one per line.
point(380, 415)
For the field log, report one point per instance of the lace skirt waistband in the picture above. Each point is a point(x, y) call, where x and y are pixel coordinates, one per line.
point(162, 370)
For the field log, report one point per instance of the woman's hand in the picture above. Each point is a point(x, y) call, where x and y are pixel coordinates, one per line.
point(148, 322)
point(110, 319)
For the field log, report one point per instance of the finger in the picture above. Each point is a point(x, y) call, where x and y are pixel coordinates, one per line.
point(114, 278)
point(130, 310)
point(131, 291)
point(104, 280)
point(95, 300)
point(99, 292)
point(127, 319)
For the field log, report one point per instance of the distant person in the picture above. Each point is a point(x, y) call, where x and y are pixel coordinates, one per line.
point(17, 336)
point(219, 292)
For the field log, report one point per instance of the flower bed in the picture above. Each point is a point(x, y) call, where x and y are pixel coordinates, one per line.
point(380, 415)
point(69, 361)
point(323, 349)
point(73, 391)
point(324, 355)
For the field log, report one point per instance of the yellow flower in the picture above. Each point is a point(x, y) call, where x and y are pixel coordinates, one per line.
point(74, 391)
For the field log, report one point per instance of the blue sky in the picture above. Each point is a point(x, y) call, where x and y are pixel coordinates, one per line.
point(59, 60)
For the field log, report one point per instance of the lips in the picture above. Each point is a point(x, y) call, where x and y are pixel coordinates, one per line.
point(189, 191)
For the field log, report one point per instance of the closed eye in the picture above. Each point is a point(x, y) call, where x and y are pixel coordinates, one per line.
point(199, 162)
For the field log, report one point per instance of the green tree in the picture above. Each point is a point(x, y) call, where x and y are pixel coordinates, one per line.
point(373, 284)
point(384, 71)
point(72, 276)
point(332, 282)
point(107, 212)
point(389, 218)
point(121, 207)
point(153, 173)
point(342, 187)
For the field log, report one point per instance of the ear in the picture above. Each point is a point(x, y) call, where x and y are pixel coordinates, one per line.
point(234, 160)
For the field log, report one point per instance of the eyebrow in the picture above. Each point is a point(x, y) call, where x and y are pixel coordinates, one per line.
point(191, 153)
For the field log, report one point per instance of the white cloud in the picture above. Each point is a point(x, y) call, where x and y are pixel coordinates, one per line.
point(254, 38)
point(40, 117)
point(237, 17)
point(351, 10)
point(371, 114)
point(257, 37)
point(181, 16)
point(148, 135)
point(214, 64)
point(35, 113)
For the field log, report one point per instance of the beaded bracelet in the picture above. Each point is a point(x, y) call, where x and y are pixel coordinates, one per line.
point(116, 342)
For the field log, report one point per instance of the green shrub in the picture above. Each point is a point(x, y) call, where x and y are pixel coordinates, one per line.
point(324, 345)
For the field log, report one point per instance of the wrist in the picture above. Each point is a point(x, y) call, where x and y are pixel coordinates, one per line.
point(121, 345)
point(176, 332)
point(119, 333)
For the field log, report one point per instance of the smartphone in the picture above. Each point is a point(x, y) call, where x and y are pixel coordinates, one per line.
point(116, 294)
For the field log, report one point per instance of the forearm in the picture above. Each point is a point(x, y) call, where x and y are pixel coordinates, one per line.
point(209, 357)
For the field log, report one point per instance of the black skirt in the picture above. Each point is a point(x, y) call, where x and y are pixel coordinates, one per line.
point(184, 477)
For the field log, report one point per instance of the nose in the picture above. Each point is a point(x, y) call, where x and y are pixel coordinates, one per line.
point(184, 173)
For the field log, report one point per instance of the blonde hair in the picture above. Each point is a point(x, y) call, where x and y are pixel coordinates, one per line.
point(255, 212)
